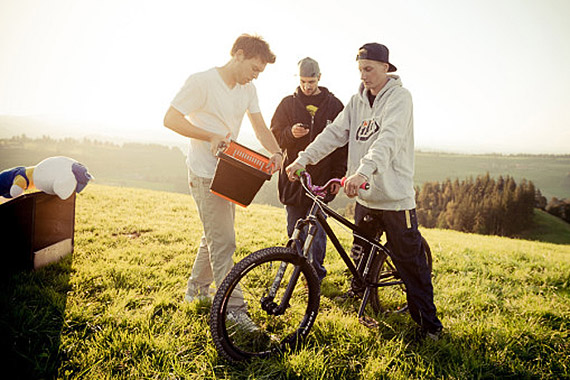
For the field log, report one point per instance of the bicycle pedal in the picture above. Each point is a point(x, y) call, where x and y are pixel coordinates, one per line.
point(401, 310)
point(369, 322)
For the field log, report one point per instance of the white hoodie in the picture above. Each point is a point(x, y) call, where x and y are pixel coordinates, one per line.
point(380, 145)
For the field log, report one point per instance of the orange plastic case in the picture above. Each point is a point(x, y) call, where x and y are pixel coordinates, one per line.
point(240, 173)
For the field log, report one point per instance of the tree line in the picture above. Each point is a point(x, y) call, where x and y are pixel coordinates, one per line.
point(482, 205)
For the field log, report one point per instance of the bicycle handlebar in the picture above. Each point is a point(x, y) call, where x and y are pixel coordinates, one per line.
point(322, 191)
point(364, 186)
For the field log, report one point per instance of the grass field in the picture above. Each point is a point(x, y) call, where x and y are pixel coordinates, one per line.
point(115, 310)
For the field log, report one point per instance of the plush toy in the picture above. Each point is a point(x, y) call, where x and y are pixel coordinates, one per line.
point(60, 176)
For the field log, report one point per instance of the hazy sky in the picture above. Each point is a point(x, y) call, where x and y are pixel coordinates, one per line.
point(485, 75)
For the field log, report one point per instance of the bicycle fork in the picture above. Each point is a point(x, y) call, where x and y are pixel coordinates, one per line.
point(267, 303)
point(310, 223)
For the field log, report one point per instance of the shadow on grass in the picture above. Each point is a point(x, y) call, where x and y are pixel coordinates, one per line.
point(32, 310)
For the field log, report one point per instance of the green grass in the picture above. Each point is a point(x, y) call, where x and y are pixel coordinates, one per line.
point(115, 310)
point(548, 228)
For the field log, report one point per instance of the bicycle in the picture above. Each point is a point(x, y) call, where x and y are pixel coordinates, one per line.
point(281, 290)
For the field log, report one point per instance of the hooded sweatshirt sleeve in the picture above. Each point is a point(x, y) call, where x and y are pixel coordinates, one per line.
point(396, 131)
point(281, 124)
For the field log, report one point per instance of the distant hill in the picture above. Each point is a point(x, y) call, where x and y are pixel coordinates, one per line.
point(40, 126)
point(150, 166)
point(549, 173)
point(547, 228)
point(160, 167)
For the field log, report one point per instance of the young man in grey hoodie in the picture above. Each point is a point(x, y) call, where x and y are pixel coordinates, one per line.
point(377, 124)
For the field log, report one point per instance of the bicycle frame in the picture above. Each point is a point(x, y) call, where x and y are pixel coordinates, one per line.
point(315, 216)
point(276, 290)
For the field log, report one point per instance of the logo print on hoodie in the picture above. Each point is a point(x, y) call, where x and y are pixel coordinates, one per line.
point(366, 130)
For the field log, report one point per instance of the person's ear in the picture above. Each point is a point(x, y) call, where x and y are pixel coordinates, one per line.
point(239, 55)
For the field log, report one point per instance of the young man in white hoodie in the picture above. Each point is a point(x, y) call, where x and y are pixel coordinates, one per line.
point(377, 124)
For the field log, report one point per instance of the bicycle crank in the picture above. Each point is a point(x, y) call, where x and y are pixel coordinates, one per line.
point(369, 322)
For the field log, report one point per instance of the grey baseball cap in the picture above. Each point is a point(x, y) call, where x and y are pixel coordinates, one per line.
point(308, 67)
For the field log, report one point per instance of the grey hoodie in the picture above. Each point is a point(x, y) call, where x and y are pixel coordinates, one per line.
point(380, 145)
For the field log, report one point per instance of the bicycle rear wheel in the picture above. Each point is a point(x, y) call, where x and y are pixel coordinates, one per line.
point(382, 271)
point(271, 323)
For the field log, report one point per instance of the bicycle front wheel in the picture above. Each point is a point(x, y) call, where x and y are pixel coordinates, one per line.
point(267, 303)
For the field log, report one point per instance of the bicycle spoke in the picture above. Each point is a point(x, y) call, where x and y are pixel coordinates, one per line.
point(269, 329)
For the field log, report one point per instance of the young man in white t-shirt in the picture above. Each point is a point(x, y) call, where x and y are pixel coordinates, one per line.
point(209, 109)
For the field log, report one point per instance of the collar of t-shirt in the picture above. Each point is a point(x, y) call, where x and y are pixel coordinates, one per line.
point(370, 97)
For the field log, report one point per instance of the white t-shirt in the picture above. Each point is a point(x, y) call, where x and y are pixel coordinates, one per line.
point(208, 103)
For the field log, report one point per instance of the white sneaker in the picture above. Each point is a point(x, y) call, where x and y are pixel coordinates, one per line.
point(242, 320)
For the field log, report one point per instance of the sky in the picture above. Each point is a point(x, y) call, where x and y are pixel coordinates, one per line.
point(486, 76)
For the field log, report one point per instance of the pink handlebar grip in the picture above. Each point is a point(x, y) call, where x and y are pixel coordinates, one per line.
point(364, 186)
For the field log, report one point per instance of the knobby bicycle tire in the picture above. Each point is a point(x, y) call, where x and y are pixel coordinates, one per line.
point(236, 339)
